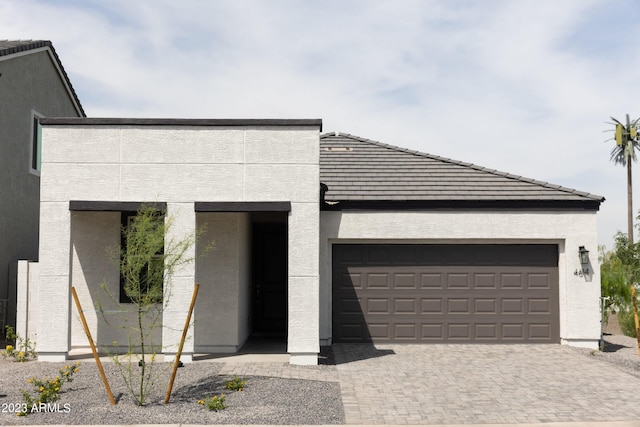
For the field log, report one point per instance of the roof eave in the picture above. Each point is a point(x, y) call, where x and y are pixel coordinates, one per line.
point(110, 121)
point(471, 205)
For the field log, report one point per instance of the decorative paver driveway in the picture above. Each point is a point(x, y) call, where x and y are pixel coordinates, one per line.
point(476, 384)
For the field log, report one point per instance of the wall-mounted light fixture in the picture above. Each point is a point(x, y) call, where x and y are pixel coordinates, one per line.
point(583, 254)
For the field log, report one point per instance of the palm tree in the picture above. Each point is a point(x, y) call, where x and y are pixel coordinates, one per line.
point(624, 153)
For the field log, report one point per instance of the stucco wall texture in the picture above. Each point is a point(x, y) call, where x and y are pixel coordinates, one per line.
point(177, 165)
point(180, 165)
point(579, 296)
point(221, 322)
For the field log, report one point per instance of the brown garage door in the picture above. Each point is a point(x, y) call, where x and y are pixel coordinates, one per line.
point(445, 293)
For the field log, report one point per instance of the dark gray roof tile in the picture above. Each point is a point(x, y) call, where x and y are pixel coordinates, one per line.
point(355, 168)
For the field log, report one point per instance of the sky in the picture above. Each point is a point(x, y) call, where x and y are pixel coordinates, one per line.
point(526, 87)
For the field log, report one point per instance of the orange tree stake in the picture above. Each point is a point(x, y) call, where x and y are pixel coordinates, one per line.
point(184, 337)
point(93, 347)
point(635, 315)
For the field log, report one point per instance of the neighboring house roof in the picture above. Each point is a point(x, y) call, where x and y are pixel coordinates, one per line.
point(10, 48)
point(361, 173)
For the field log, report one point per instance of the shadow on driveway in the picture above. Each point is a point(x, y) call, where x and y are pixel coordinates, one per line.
point(346, 353)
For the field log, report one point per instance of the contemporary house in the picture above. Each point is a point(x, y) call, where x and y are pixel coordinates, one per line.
point(33, 84)
point(319, 238)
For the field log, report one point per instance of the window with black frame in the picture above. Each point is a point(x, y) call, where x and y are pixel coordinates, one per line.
point(36, 144)
point(142, 256)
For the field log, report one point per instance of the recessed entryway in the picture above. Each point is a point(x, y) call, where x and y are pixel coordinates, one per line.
point(269, 277)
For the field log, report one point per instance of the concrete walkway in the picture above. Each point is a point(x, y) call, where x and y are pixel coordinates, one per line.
point(481, 384)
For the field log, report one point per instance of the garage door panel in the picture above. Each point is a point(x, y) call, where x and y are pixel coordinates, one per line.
point(406, 255)
point(458, 332)
point(432, 332)
point(349, 281)
point(458, 281)
point(405, 281)
point(485, 281)
point(512, 281)
point(458, 306)
point(349, 306)
point(513, 332)
point(431, 281)
point(377, 281)
point(512, 306)
point(378, 306)
point(378, 255)
point(432, 306)
point(539, 305)
point(405, 306)
point(405, 332)
point(539, 331)
point(485, 306)
point(539, 281)
point(380, 332)
point(478, 302)
point(352, 254)
point(353, 332)
point(486, 332)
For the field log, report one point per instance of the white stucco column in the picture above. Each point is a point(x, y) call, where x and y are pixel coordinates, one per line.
point(22, 298)
point(52, 344)
point(179, 292)
point(580, 292)
point(303, 343)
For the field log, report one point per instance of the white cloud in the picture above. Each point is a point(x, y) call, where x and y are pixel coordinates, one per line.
point(523, 87)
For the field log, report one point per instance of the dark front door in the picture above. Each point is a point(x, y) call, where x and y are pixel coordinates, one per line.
point(270, 278)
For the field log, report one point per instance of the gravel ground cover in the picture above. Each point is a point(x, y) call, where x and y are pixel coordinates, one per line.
point(265, 400)
point(620, 351)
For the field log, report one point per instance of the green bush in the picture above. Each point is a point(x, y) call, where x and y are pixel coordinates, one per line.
point(215, 403)
point(236, 384)
point(627, 322)
point(24, 350)
point(48, 390)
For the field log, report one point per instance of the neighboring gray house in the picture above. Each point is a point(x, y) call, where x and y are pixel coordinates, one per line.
point(33, 84)
point(320, 238)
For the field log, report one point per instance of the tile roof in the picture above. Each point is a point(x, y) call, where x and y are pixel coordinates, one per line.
point(361, 170)
point(9, 47)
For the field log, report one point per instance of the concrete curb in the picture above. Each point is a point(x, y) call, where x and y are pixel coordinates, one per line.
point(554, 424)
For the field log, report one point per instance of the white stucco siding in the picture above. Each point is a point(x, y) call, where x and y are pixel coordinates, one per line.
point(97, 145)
point(54, 285)
point(178, 289)
point(221, 317)
point(63, 182)
point(304, 230)
point(579, 296)
point(181, 165)
point(182, 145)
point(297, 183)
point(304, 226)
point(273, 146)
